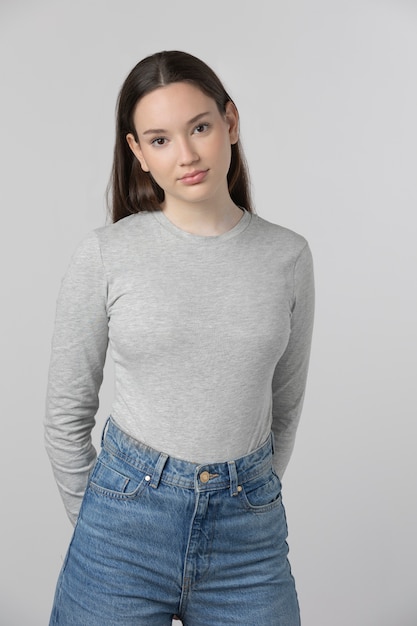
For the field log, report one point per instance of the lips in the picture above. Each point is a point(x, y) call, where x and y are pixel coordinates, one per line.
point(194, 177)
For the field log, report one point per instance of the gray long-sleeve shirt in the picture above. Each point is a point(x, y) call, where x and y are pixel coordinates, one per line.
point(210, 338)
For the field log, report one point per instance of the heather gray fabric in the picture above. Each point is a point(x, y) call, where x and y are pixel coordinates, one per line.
point(210, 337)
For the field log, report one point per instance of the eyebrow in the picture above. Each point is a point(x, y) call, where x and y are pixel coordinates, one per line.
point(155, 131)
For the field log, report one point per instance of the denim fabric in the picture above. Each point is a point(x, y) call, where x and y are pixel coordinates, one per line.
point(158, 536)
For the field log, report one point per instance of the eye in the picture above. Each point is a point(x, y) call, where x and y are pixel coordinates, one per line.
point(158, 141)
point(201, 128)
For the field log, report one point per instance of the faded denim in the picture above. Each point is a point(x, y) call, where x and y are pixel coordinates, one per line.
point(158, 536)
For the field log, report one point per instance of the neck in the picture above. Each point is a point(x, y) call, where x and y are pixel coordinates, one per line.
point(203, 220)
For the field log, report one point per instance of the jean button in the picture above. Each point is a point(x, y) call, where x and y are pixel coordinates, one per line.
point(204, 477)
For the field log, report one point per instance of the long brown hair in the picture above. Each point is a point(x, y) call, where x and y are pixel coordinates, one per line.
point(132, 190)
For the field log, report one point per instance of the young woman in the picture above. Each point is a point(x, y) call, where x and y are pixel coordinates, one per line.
point(208, 310)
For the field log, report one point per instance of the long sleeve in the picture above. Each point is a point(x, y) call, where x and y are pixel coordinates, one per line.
point(290, 376)
point(76, 371)
point(199, 328)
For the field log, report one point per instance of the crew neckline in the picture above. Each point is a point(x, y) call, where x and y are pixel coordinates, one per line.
point(241, 225)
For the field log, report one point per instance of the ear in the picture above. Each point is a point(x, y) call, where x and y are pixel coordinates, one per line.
point(135, 147)
point(232, 119)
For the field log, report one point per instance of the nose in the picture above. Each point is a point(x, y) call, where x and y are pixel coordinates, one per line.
point(186, 152)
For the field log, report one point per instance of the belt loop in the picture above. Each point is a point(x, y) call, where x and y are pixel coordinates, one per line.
point(159, 467)
point(233, 478)
point(104, 432)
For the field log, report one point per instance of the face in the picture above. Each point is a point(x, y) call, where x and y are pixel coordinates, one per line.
point(185, 143)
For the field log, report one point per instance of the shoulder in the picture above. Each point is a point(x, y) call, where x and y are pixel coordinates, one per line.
point(127, 229)
point(284, 240)
point(125, 237)
point(113, 240)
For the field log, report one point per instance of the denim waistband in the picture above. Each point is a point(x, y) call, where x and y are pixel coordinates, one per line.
point(160, 467)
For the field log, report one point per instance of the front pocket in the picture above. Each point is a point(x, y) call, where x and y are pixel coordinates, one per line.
point(111, 482)
point(262, 494)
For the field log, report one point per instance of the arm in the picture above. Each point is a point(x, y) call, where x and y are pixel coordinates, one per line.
point(76, 372)
point(289, 381)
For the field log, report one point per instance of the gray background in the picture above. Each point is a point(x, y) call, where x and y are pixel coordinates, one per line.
point(327, 93)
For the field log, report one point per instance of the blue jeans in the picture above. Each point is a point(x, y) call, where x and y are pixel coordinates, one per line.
point(157, 536)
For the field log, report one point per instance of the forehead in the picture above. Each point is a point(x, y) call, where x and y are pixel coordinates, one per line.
point(170, 105)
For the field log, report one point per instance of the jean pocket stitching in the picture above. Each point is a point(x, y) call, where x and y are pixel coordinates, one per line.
point(261, 508)
point(120, 492)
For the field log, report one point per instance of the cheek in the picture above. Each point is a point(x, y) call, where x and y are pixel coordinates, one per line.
point(158, 164)
point(224, 151)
